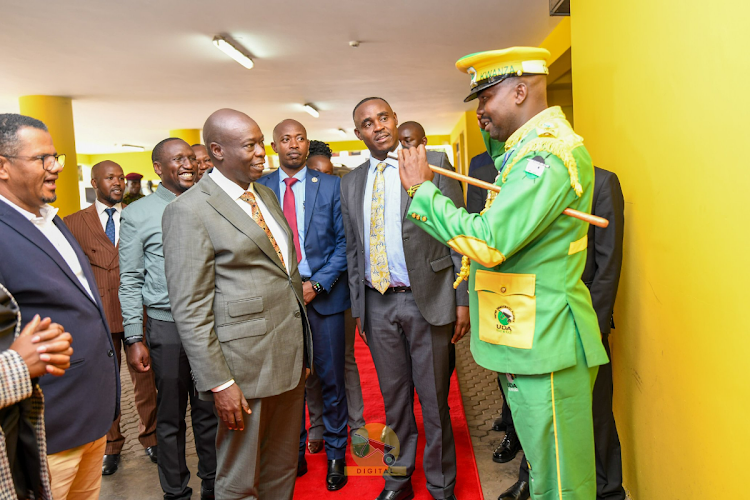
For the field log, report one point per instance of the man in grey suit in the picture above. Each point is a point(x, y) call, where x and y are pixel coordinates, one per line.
point(401, 286)
point(236, 298)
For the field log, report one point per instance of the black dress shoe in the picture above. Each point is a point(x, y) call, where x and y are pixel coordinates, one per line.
point(499, 426)
point(207, 493)
point(508, 448)
point(336, 478)
point(153, 453)
point(301, 467)
point(402, 494)
point(519, 491)
point(109, 464)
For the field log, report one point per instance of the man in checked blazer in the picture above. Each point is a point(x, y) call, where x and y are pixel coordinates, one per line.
point(409, 324)
point(237, 300)
point(97, 229)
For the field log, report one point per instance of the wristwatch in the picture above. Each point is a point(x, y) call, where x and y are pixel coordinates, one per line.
point(317, 287)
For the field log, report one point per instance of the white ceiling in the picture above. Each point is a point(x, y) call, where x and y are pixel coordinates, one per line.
point(138, 68)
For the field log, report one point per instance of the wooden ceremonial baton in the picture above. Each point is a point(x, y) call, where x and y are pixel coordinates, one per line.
point(591, 219)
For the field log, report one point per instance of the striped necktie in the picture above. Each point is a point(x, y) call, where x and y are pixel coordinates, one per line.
point(249, 197)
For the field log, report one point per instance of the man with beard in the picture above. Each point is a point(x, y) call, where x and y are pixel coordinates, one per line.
point(143, 283)
point(97, 229)
point(204, 161)
point(237, 297)
point(531, 314)
point(320, 243)
point(406, 309)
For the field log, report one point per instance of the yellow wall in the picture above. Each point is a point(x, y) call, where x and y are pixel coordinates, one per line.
point(473, 143)
point(660, 91)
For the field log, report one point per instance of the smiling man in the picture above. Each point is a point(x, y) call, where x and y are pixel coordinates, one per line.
point(97, 229)
point(43, 266)
point(400, 282)
point(143, 283)
point(204, 161)
point(236, 293)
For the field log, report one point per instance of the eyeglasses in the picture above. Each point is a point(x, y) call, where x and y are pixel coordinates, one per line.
point(48, 161)
point(183, 159)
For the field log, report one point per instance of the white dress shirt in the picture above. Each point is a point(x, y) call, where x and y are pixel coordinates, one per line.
point(103, 217)
point(235, 191)
point(50, 231)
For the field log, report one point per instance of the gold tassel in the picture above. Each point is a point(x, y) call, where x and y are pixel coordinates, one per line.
point(463, 275)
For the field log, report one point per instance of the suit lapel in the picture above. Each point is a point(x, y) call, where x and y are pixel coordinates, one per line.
point(85, 266)
point(91, 218)
point(229, 209)
point(311, 193)
point(26, 228)
point(359, 198)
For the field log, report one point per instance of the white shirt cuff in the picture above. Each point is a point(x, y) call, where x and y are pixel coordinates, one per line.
point(223, 386)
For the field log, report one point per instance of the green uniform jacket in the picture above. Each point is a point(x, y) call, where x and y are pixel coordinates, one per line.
point(528, 304)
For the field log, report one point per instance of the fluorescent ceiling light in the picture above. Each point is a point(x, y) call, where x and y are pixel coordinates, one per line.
point(311, 110)
point(342, 132)
point(133, 147)
point(233, 52)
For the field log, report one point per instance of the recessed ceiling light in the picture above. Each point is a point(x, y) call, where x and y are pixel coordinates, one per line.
point(234, 52)
point(311, 110)
point(342, 132)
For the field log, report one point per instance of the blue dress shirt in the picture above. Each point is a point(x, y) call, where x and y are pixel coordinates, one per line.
point(394, 244)
point(298, 189)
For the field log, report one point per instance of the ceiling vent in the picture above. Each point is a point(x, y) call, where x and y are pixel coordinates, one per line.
point(559, 7)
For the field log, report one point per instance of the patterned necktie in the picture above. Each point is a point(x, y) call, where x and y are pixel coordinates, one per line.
point(290, 212)
point(380, 276)
point(249, 197)
point(110, 229)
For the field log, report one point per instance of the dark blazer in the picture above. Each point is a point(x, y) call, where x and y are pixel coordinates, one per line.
point(604, 252)
point(81, 405)
point(483, 168)
point(104, 259)
point(432, 266)
point(325, 241)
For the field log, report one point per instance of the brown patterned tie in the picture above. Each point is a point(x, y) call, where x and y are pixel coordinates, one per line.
point(249, 197)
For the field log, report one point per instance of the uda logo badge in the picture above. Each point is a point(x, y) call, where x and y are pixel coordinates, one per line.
point(505, 317)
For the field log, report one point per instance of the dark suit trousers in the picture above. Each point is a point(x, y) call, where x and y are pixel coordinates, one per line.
point(606, 440)
point(409, 353)
point(144, 390)
point(260, 462)
point(329, 347)
point(175, 386)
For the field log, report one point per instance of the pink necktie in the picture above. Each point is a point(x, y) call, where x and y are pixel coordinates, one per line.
point(290, 212)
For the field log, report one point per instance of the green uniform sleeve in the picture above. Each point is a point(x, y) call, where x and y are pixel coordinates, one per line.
point(526, 206)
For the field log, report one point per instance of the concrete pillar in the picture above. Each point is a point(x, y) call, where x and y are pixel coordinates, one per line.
point(57, 113)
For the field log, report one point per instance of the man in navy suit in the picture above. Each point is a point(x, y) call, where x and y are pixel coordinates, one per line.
point(43, 266)
point(321, 250)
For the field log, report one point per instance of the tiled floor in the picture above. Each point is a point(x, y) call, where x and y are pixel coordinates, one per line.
point(137, 477)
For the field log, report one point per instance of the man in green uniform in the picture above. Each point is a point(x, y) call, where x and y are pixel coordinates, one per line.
point(134, 188)
point(531, 315)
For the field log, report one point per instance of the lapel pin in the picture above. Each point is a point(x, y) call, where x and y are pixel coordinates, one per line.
point(315, 179)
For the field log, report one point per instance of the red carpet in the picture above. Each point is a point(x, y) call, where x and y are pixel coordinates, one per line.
point(312, 485)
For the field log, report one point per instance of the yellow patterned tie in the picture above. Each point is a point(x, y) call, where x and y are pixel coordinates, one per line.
point(249, 197)
point(380, 276)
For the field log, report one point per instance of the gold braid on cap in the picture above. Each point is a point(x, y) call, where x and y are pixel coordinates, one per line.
point(463, 275)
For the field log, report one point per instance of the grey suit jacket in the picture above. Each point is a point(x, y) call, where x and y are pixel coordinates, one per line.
point(604, 252)
point(239, 314)
point(432, 266)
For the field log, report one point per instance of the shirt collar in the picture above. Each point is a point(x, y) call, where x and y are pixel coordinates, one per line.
point(48, 212)
point(231, 188)
point(101, 207)
point(300, 175)
point(165, 194)
point(389, 161)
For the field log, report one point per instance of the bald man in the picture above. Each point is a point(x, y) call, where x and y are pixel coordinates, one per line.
point(320, 243)
point(97, 229)
point(238, 302)
point(411, 135)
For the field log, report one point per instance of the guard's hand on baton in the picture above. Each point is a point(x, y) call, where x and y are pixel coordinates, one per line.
point(413, 167)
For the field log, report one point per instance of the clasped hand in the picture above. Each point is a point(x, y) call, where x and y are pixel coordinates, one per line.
point(44, 347)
